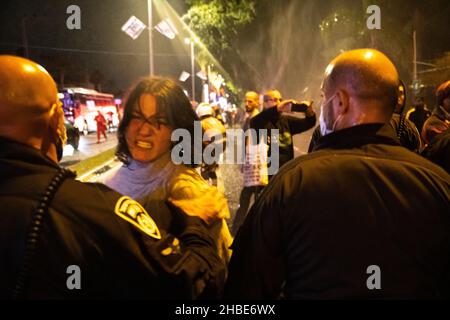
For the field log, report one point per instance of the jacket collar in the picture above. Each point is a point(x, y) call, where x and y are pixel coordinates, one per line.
point(14, 154)
point(357, 136)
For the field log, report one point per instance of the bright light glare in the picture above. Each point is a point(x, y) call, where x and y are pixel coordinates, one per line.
point(368, 55)
point(29, 68)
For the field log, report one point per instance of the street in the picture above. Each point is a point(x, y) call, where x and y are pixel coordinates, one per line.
point(87, 148)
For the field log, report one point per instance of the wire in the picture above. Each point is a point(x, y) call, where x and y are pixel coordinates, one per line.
point(123, 53)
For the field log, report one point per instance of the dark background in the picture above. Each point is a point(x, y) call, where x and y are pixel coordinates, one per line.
point(283, 47)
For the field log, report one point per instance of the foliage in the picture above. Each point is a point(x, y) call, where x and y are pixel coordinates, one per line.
point(217, 22)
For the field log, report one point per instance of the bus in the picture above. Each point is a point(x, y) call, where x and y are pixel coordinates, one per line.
point(81, 105)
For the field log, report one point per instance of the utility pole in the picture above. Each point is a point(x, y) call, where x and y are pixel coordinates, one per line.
point(193, 70)
point(150, 36)
point(191, 42)
point(414, 57)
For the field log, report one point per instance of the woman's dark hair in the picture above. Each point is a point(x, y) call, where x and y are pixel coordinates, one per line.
point(171, 103)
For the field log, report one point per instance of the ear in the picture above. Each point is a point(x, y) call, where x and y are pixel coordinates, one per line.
point(54, 118)
point(342, 100)
point(57, 122)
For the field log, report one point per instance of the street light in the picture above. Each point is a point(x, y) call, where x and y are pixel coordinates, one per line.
point(134, 27)
point(192, 42)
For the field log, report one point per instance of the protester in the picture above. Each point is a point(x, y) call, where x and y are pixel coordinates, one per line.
point(56, 230)
point(216, 136)
point(361, 216)
point(407, 132)
point(419, 113)
point(254, 168)
point(154, 108)
point(275, 116)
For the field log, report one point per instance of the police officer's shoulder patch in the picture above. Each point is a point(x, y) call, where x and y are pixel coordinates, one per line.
point(131, 211)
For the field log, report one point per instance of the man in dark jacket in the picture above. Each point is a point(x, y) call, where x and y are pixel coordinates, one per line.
point(361, 216)
point(272, 117)
point(61, 238)
point(419, 113)
point(438, 150)
point(439, 121)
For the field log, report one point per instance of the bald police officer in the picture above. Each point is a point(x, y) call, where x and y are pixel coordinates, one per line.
point(361, 216)
point(53, 225)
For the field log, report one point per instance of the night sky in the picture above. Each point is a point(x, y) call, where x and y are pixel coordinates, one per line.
point(99, 45)
point(281, 48)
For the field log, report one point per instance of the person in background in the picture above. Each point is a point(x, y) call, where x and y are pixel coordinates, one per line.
point(407, 132)
point(438, 150)
point(419, 113)
point(255, 177)
point(439, 121)
point(216, 135)
point(101, 125)
point(275, 115)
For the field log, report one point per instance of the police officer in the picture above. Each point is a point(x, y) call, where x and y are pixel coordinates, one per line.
point(65, 239)
point(358, 209)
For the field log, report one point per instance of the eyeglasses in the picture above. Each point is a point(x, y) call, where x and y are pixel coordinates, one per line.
point(156, 121)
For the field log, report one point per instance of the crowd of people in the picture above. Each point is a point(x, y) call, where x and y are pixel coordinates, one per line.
point(373, 190)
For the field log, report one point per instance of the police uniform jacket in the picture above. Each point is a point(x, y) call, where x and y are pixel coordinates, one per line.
point(89, 231)
point(329, 221)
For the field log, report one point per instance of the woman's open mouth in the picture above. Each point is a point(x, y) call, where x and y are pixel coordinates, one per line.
point(144, 144)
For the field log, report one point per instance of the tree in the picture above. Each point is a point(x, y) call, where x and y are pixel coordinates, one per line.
point(217, 22)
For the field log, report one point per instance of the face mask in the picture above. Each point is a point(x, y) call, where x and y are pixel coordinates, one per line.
point(59, 148)
point(323, 126)
point(61, 136)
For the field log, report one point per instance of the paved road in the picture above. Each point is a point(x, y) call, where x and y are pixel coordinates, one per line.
point(88, 147)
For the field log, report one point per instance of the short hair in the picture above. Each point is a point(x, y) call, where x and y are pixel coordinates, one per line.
point(443, 92)
point(274, 93)
point(170, 102)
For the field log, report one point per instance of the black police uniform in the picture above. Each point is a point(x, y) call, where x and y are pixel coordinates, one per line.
point(49, 224)
point(359, 200)
point(406, 131)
